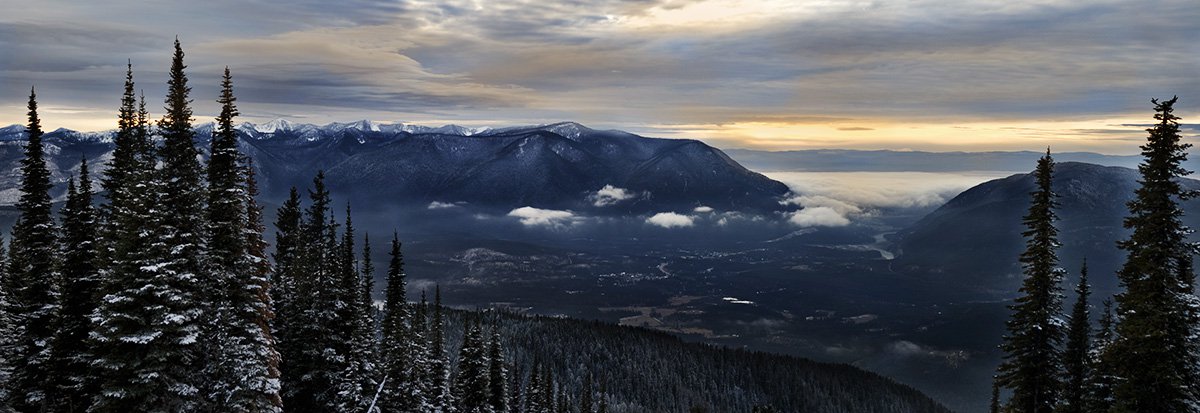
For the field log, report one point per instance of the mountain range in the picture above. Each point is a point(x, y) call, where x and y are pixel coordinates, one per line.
point(559, 166)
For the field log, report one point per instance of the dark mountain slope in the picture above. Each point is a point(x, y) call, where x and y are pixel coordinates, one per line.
point(649, 371)
point(558, 166)
point(972, 241)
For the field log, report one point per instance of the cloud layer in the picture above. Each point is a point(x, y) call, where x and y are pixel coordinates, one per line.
point(838, 198)
point(770, 73)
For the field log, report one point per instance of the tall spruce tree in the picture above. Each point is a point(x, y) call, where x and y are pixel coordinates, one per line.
point(470, 387)
point(1076, 355)
point(402, 345)
point(1033, 361)
point(128, 332)
point(71, 354)
point(603, 395)
point(497, 373)
point(32, 273)
point(262, 380)
point(534, 398)
point(6, 326)
point(178, 351)
point(994, 403)
point(358, 381)
point(438, 367)
point(586, 404)
point(286, 290)
point(315, 365)
point(240, 363)
point(515, 395)
point(1101, 378)
point(1152, 356)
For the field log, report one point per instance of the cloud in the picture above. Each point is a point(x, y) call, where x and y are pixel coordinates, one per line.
point(610, 195)
point(818, 217)
point(686, 62)
point(703, 209)
point(531, 216)
point(671, 220)
point(441, 205)
point(852, 195)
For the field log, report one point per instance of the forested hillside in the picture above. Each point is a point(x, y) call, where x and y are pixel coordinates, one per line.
point(647, 371)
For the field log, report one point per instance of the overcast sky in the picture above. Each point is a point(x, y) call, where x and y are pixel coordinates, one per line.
point(769, 74)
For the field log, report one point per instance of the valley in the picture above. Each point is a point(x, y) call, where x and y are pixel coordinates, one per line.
point(839, 267)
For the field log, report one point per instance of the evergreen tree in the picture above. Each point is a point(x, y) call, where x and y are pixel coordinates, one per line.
point(134, 340)
point(515, 396)
point(1152, 356)
point(1076, 355)
point(994, 404)
point(437, 383)
point(32, 273)
point(6, 326)
point(534, 398)
point(284, 289)
point(402, 342)
point(585, 395)
point(359, 383)
point(260, 390)
point(470, 389)
point(1101, 378)
point(161, 324)
point(242, 352)
point(497, 374)
point(1033, 362)
point(71, 354)
point(315, 363)
point(603, 407)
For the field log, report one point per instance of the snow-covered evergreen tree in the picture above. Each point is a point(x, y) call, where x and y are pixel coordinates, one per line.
point(1153, 355)
point(262, 379)
point(1032, 366)
point(534, 398)
point(438, 364)
point(359, 382)
point(71, 354)
point(497, 374)
point(127, 324)
point(402, 344)
point(239, 366)
point(1076, 353)
point(32, 274)
point(470, 387)
point(586, 404)
point(1101, 379)
point(285, 291)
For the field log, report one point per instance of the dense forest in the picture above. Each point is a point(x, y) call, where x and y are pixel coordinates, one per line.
point(159, 294)
point(1143, 356)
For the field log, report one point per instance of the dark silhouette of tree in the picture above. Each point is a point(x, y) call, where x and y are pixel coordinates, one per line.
point(1153, 356)
point(1033, 361)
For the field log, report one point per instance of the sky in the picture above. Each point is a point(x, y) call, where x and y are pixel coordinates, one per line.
point(965, 75)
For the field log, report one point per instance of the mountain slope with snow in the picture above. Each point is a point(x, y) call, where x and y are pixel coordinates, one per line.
point(560, 165)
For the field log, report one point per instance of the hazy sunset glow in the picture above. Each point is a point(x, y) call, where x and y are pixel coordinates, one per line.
point(928, 75)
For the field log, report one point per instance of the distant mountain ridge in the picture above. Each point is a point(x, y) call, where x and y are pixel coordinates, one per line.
point(558, 166)
point(851, 160)
point(972, 242)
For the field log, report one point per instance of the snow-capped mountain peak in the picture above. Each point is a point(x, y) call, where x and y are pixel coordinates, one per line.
point(275, 125)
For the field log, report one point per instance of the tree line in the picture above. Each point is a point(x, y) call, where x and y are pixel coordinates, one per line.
point(1143, 355)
